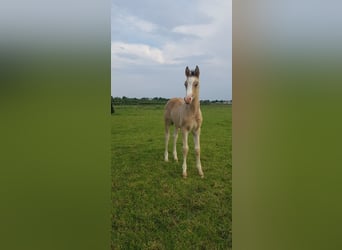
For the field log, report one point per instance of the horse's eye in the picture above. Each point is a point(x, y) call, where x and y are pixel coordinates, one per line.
point(196, 84)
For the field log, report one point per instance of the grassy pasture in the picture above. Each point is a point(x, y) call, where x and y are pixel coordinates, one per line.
point(153, 207)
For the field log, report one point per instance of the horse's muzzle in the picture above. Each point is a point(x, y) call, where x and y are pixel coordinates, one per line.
point(188, 99)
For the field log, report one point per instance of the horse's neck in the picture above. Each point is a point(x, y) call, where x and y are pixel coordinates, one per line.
point(194, 107)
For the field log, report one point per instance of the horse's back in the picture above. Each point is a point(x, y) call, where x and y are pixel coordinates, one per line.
point(174, 102)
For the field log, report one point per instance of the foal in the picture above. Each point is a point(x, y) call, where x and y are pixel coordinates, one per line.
point(185, 114)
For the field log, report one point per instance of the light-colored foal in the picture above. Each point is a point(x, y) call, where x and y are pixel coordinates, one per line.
point(186, 115)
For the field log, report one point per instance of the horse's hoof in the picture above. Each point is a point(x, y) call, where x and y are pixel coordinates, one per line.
point(185, 175)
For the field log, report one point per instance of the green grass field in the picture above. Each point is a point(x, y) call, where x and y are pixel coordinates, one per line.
point(153, 206)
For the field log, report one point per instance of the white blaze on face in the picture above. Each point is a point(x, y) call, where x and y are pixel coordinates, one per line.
point(189, 85)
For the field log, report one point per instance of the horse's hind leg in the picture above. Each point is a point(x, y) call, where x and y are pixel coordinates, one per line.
point(167, 136)
point(175, 137)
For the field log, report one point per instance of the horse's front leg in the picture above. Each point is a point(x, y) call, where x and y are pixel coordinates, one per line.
point(185, 150)
point(197, 134)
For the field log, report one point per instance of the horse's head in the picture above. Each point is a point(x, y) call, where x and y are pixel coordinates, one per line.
point(191, 84)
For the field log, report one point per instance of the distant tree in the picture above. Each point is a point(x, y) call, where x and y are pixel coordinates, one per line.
point(205, 102)
point(112, 106)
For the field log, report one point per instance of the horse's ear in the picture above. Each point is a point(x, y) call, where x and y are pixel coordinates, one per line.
point(197, 71)
point(187, 71)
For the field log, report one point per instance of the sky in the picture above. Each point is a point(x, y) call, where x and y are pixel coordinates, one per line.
point(153, 41)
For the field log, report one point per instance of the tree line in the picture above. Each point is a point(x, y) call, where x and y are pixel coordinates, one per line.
point(138, 101)
point(155, 101)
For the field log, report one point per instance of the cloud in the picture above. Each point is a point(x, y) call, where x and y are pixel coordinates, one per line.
point(125, 53)
point(201, 30)
point(133, 22)
point(209, 40)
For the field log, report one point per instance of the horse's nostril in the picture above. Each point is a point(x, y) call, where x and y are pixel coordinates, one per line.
point(188, 99)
